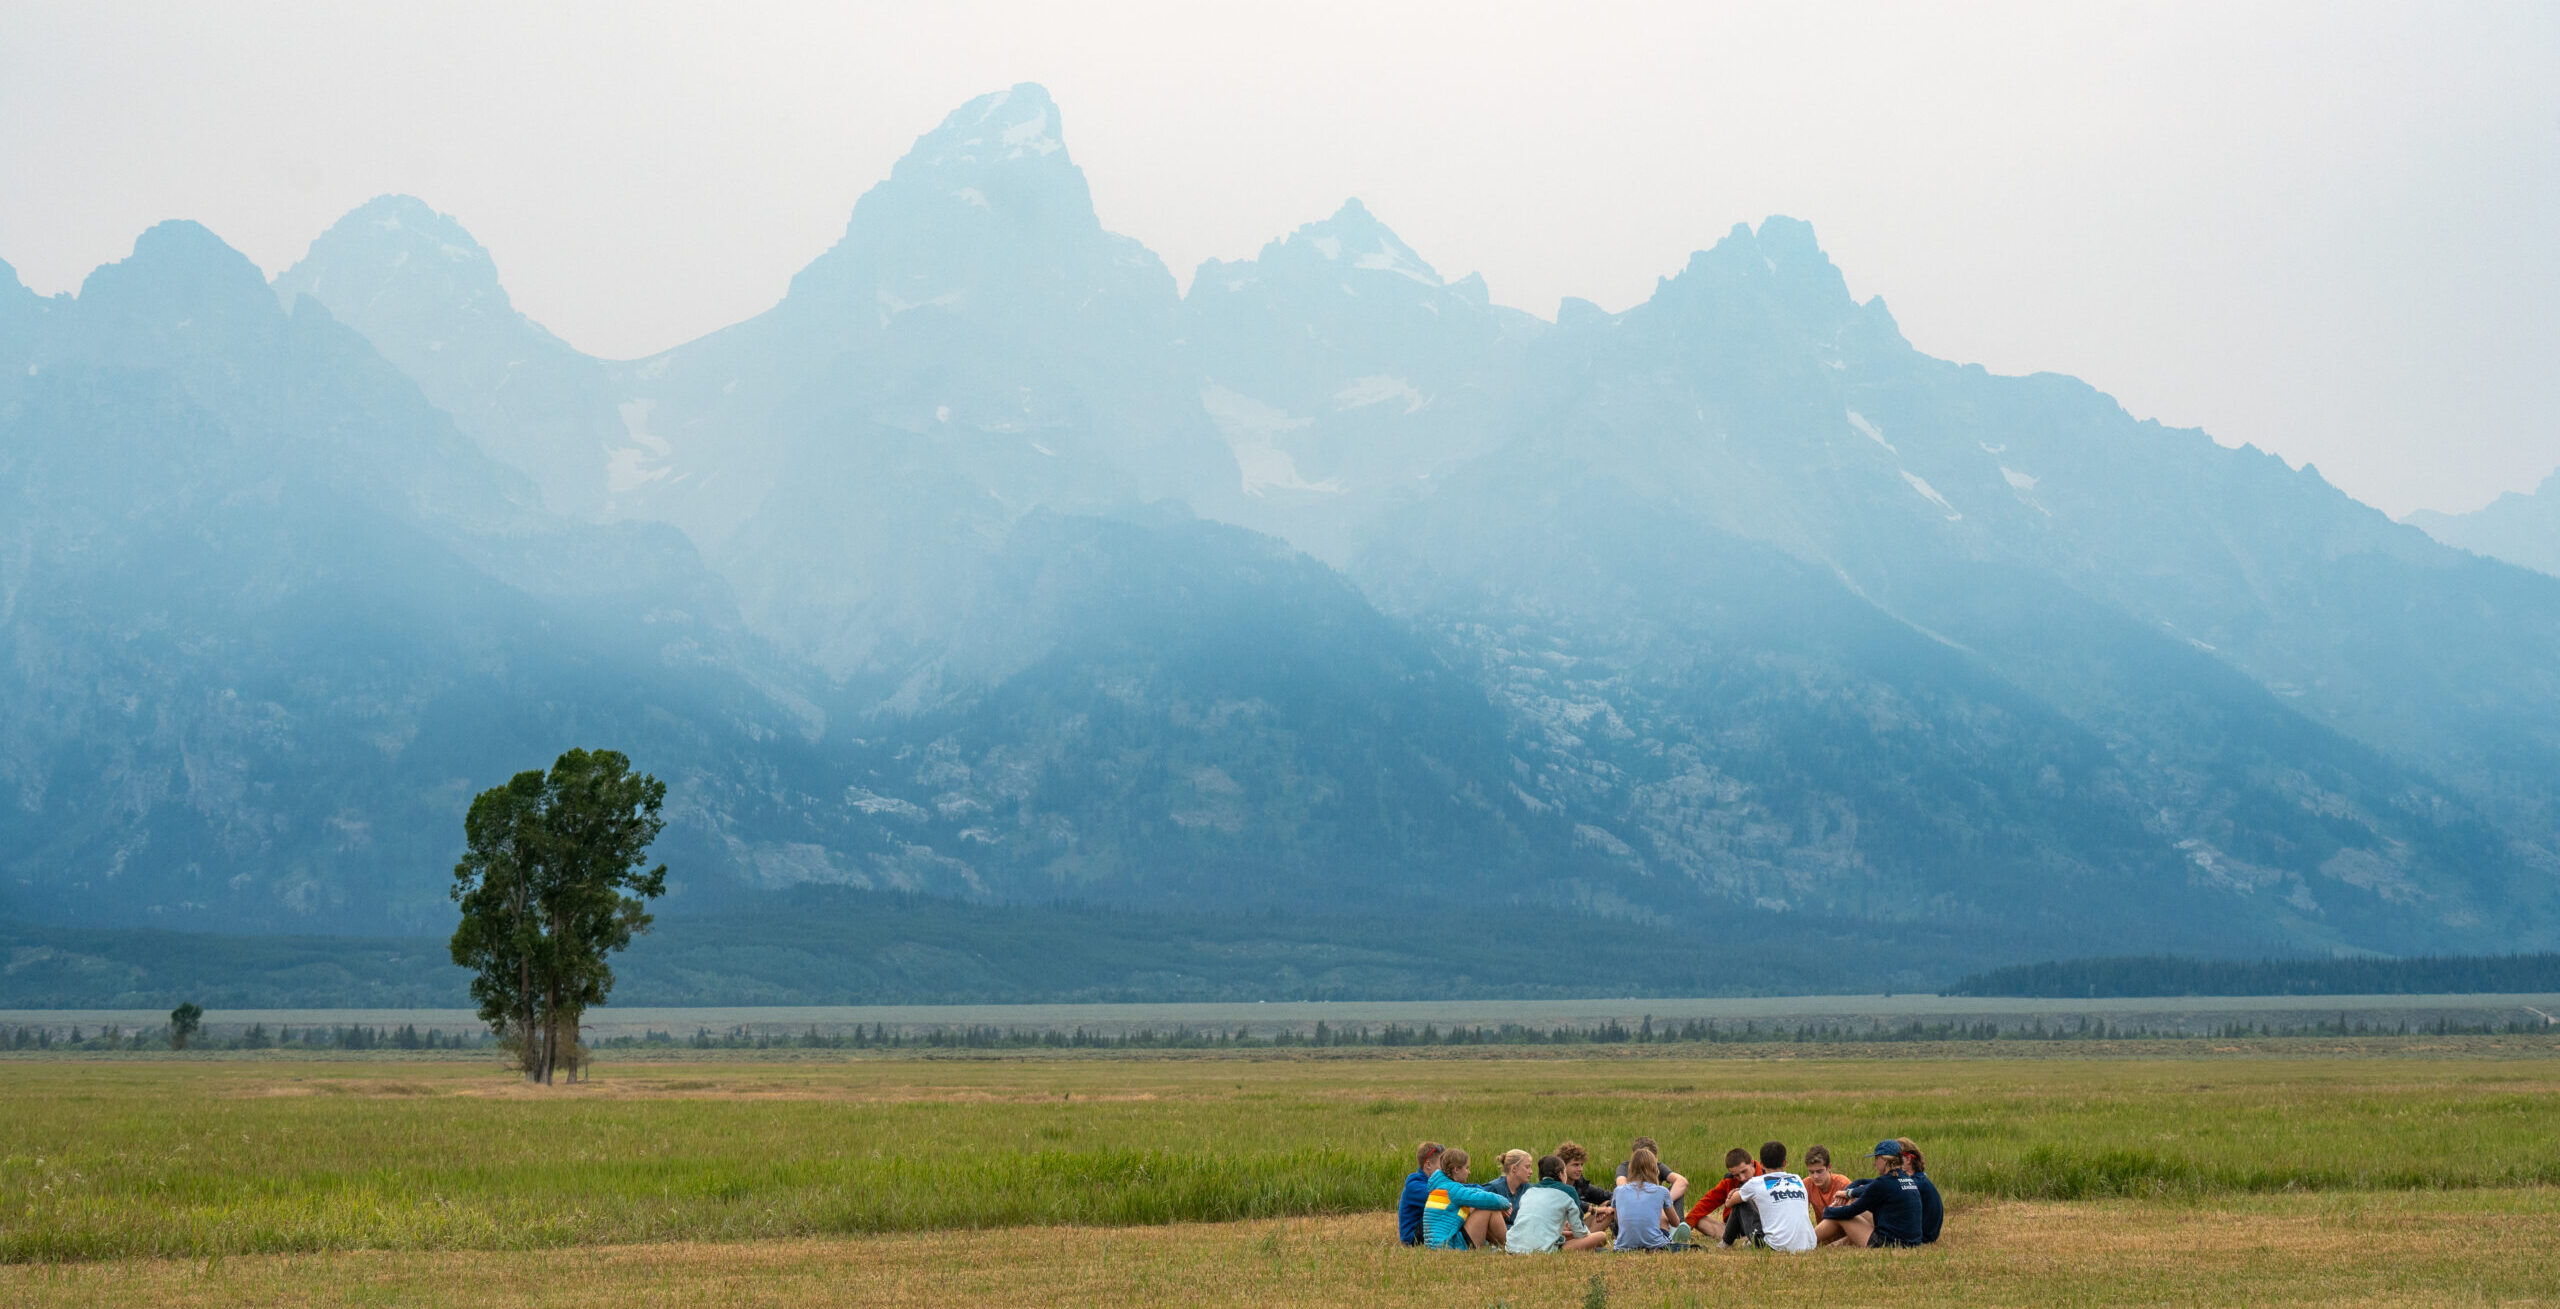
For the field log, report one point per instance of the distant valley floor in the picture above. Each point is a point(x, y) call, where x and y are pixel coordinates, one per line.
point(1732, 1016)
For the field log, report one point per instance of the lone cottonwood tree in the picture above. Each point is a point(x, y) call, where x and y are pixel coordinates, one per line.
point(184, 1022)
point(550, 884)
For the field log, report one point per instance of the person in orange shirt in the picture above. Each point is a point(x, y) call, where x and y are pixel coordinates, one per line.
point(1823, 1187)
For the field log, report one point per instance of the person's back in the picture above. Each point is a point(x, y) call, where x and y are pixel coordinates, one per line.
point(1643, 1206)
point(1786, 1221)
point(1933, 1209)
point(1544, 1219)
point(1417, 1189)
point(1666, 1175)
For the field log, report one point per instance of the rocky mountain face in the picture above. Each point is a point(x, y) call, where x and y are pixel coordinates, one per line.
point(986, 565)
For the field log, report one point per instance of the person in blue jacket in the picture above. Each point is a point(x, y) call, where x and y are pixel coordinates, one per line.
point(1417, 1189)
point(1456, 1216)
point(1882, 1215)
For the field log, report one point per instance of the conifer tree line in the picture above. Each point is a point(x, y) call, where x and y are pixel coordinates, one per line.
point(551, 883)
point(2133, 976)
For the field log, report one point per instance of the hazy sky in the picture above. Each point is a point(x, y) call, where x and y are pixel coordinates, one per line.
point(2331, 230)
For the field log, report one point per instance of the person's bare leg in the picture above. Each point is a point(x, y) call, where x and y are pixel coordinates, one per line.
point(1484, 1228)
point(1710, 1229)
point(1592, 1242)
point(1850, 1232)
point(1499, 1229)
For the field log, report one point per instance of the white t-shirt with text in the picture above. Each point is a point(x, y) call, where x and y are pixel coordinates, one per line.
point(1786, 1218)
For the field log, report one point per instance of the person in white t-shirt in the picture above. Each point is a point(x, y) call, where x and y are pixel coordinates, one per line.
point(1777, 1198)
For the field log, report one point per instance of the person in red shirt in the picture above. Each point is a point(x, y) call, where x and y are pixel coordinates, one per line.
point(1739, 1167)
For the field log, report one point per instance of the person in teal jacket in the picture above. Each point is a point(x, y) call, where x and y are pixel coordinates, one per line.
point(1456, 1216)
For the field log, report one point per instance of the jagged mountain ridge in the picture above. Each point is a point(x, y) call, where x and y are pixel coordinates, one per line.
point(1984, 651)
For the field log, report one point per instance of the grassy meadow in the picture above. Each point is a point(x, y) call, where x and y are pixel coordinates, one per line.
point(209, 1180)
point(2462, 1248)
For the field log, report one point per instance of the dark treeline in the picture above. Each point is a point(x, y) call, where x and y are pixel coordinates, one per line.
point(1646, 1032)
point(2168, 975)
point(256, 1037)
point(881, 1036)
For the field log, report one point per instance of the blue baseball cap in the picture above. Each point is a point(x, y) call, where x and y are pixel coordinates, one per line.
point(1884, 1148)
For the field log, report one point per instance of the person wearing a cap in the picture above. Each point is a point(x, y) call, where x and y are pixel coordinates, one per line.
point(1884, 1214)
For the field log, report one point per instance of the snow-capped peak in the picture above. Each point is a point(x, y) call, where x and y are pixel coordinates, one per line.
point(1020, 122)
point(1354, 237)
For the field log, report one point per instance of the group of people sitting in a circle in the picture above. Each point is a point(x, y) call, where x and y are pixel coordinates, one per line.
point(1536, 1206)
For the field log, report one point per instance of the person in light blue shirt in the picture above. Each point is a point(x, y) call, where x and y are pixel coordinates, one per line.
point(1647, 1219)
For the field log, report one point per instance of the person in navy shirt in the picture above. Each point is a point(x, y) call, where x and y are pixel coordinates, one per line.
point(1933, 1208)
point(1884, 1214)
point(1417, 1190)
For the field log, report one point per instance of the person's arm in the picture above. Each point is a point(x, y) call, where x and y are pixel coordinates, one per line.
point(1677, 1184)
point(1709, 1202)
point(1476, 1197)
point(1858, 1204)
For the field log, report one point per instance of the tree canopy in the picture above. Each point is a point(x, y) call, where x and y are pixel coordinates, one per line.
point(184, 1022)
point(551, 883)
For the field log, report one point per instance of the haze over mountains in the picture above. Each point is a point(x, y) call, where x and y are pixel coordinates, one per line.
point(2519, 527)
point(987, 565)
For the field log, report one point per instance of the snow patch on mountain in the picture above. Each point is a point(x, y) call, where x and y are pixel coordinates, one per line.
point(1018, 123)
point(1921, 485)
point(630, 467)
point(1253, 430)
point(1378, 388)
point(1872, 433)
point(1394, 258)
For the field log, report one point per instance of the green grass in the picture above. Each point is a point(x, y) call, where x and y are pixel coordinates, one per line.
point(112, 1159)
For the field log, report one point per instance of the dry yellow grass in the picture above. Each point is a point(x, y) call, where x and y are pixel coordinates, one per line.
point(2424, 1249)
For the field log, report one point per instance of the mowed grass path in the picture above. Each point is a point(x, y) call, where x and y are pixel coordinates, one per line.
point(110, 1159)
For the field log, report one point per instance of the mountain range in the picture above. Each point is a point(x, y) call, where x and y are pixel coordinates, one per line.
point(992, 566)
point(2521, 527)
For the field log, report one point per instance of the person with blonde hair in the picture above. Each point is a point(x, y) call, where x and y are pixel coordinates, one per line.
point(1646, 1218)
point(1519, 1172)
point(1457, 1216)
